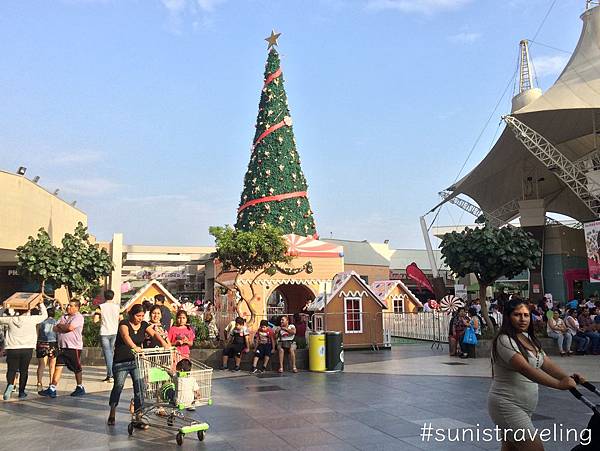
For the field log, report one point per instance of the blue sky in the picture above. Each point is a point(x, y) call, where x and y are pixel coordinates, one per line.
point(143, 110)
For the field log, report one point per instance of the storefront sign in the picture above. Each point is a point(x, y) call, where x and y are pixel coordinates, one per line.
point(592, 244)
point(460, 291)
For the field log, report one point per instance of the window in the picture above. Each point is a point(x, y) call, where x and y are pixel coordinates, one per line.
point(398, 305)
point(365, 279)
point(353, 315)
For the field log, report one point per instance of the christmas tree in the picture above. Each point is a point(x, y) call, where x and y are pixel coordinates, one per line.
point(275, 190)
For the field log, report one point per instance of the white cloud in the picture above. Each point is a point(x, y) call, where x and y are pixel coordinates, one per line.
point(198, 10)
point(549, 65)
point(76, 157)
point(92, 186)
point(417, 6)
point(464, 37)
point(209, 5)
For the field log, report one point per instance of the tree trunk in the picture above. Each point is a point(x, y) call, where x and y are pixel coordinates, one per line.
point(484, 310)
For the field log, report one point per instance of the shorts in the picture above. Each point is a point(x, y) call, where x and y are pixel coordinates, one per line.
point(233, 350)
point(286, 344)
point(71, 358)
point(46, 349)
point(264, 350)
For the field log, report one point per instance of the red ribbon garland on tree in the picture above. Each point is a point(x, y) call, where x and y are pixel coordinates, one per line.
point(272, 77)
point(270, 130)
point(278, 198)
point(286, 121)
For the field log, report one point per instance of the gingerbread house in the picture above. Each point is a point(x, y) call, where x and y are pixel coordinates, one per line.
point(396, 296)
point(351, 308)
point(147, 293)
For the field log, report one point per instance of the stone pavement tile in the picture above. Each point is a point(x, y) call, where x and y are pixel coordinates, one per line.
point(418, 443)
point(319, 419)
point(398, 428)
point(342, 447)
point(371, 417)
point(407, 412)
point(258, 441)
point(352, 429)
point(311, 436)
point(275, 422)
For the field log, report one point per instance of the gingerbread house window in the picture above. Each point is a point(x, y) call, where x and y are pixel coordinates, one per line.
point(398, 305)
point(353, 315)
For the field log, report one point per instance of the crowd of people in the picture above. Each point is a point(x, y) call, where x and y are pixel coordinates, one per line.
point(58, 343)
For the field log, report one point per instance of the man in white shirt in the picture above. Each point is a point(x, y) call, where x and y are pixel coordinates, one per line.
point(108, 314)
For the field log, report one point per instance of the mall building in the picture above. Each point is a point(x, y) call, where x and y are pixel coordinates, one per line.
point(186, 271)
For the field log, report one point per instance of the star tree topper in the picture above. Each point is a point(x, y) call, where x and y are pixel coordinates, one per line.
point(272, 40)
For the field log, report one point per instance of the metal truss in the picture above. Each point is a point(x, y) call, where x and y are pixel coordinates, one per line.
point(474, 209)
point(568, 172)
point(525, 78)
point(509, 209)
point(591, 3)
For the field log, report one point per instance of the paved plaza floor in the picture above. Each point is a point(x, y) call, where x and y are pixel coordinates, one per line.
point(380, 402)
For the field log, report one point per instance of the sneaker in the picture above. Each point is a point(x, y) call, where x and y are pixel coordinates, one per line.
point(48, 392)
point(79, 391)
point(255, 371)
point(108, 380)
point(237, 368)
point(22, 395)
point(9, 389)
point(223, 368)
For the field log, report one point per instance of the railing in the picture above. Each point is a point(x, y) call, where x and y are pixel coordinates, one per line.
point(428, 326)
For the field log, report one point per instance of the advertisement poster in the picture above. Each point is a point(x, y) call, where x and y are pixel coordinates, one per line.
point(592, 244)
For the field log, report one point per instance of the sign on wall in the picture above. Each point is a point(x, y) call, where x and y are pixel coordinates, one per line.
point(592, 245)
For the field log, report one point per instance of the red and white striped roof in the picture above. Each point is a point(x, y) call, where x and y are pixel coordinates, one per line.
point(306, 246)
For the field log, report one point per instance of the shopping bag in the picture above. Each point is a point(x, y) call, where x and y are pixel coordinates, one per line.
point(470, 338)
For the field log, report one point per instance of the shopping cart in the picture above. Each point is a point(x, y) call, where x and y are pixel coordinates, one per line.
point(167, 392)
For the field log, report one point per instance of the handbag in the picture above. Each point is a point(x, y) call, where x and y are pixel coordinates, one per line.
point(470, 338)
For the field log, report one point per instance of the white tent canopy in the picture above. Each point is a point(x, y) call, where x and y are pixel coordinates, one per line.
point(566, 115)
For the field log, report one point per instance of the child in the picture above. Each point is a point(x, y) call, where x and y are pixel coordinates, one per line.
point(265, 343)
point(213, 330)
point(182, 335)
point(238, 341)
point(46, 348)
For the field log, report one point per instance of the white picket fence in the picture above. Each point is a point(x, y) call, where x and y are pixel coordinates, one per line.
point(430, 326)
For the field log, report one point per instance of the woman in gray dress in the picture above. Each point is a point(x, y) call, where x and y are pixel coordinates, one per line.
point(518, 365)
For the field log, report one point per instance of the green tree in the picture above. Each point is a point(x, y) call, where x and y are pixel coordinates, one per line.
point(274, 170)
point(82, 263)
point(262, 251)
point(38, 260)
point(490, 253)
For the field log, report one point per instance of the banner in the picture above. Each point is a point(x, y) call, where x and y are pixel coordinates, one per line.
point(415, 273)
point(592, 244)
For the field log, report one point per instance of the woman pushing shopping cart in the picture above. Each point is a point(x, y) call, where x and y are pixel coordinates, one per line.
point(171, 384)
point(163, 383)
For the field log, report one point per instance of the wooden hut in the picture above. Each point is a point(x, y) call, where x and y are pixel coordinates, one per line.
point(396, 296)
point(147, 293)
point(351, 308)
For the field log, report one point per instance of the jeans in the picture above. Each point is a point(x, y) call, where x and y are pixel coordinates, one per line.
point(120, 372)
point(564, 340)
point(581, 343)
point(595, 337)
point(18, 360)
point(108, 349)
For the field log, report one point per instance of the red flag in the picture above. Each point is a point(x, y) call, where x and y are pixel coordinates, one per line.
point(415, 273)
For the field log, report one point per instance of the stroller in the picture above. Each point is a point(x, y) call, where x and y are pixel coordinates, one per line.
point(594, 423)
